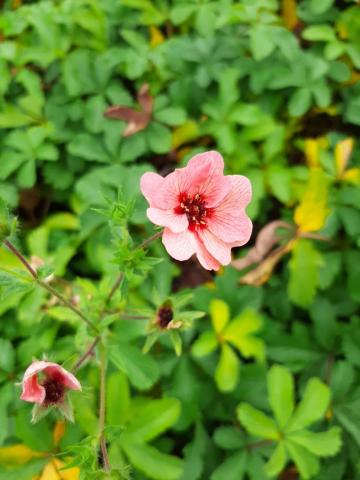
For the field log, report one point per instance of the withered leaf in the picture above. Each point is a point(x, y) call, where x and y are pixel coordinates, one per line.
point(137, 120)
point(267, 238)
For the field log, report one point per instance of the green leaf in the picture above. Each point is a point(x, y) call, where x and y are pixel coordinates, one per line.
point(233, 468)
point(277, 461)
point(304, 273)
point(117, 398)
point(158, 137)
point(312, 407)
point(154, 464)
point(227, 370)
point(306, 462)
point(256, 422)
point(261, 42)
point(229, 438)
point(7, 355)
point(280, 384)
point(239, 333)
point(88, 147)
point(173, 116)
point(6, 396)
point(153, 419)
point(220, 315)
point(320, 6)
point(195, 454)
point(300, 102)
point(323, 444)
point(141, 369)
point(205, 344)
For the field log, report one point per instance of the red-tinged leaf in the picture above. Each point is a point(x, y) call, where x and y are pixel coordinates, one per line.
point(137, 120)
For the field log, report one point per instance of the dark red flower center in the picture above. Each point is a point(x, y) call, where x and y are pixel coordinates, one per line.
point(54, 391)
point(164, 316)
point(195, 209)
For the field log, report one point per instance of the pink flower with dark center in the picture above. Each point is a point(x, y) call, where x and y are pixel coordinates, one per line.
point(45, 384)
point(202, 210)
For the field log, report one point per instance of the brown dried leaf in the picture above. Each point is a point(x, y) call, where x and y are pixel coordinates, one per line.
point(267, 238)
point(261, 274)
point(137, 120)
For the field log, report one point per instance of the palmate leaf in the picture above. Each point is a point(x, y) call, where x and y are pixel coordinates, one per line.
point(322, 444)
point(220, 315)
point(306, 462)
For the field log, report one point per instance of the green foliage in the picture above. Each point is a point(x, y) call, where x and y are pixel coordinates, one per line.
point(289, 429)
point(274, 86)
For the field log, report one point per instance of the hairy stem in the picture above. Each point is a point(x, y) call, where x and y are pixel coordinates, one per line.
point(86, 354)
point(120, 277)
point(104, 452)
point(48, 287)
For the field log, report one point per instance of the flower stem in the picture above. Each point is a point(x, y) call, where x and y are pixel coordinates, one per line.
point(120, 277)
point(48, 287)
point(104, 452)
point(86, 354)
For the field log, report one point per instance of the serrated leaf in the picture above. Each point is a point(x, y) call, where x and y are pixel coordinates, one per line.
point(280, 384)
point(256, 422)
point(312, 407)
point(322, 444)
point(305, 461)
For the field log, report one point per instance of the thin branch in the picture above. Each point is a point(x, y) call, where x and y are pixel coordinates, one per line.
point(86, 354)
point(147, 242)
point(104, 452)
point(115, 287)
point(48, 287)
point(261, 443)
point(23, 260)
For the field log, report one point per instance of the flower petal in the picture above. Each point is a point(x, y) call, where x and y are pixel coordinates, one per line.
point(167, 218)
point(180, 246)
point(212, 157)
point(204, 257)
point(218, 249)
point(229, 221)
point(150, 183)
point(63, 376)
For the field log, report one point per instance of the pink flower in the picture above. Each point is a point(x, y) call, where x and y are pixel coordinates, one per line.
point(45, 384)
point(202, 210)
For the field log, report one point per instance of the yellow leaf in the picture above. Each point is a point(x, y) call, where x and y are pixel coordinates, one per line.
point(343, 151)
point(312, 152)
point(59, 431)
point(311, 213)
point(18, 455)
point(53, 471)
point(187, 132)
point(220, 315)
point(288, 12)
point(156, 37)
point(352, 175)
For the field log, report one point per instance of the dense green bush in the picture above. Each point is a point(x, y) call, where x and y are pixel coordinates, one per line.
point(274, 86)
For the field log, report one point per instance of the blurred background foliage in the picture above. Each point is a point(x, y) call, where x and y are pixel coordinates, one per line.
point(274, 86)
